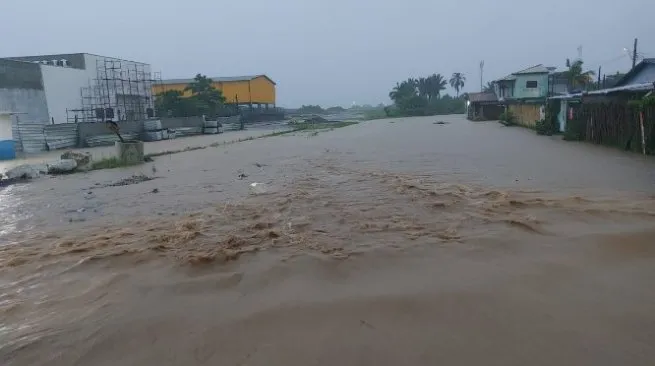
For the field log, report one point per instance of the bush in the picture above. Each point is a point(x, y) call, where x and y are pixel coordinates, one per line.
point(575, 130)
point(507, 118)
point(544, 127)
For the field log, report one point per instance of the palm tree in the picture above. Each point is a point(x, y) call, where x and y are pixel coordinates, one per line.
point(423, 86)
point(403, 90)
point(437, 83)
point(576, 76)
point(457, 81)
point(489, 87)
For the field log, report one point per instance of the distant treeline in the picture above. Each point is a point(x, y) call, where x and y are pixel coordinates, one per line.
point(422, 96)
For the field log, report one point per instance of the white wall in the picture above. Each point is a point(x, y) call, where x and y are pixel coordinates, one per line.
point(5, 126)
point(30, 103)
point(62, 85)
point(62, 90)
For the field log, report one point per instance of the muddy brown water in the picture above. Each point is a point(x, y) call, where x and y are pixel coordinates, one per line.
point(390, 242)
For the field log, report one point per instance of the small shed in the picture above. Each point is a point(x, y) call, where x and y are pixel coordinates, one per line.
point(483, 106)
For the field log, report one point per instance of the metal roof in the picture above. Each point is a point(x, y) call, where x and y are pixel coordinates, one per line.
point(482, 97)
point(219, 79)
point(509, 77)
point(635, 70)
point(625, 88)
point(631, 87)
point(537, 69)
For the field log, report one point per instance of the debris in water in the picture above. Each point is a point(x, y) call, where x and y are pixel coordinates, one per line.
point(242, 176)
point(135, 179)
point(258, 188)
point(155, 190)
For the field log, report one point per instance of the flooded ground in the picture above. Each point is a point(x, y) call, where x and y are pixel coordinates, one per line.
point(390, 242)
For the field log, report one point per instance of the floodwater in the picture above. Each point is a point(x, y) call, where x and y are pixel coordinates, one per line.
point(390, 242)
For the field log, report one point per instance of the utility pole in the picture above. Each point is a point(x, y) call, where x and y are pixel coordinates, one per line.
point(481, 76)
point(598, 84)
point(634, 54)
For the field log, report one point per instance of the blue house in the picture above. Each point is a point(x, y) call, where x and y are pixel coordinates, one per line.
point(531, 84)
point(524, 92)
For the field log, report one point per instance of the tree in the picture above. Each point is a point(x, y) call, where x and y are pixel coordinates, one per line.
point(172, 103)
point(457, 81)
point(206, 98)
point(576, 77)
point(437, 84)
point(403, 90)
point(489, 87)
point(423, 87)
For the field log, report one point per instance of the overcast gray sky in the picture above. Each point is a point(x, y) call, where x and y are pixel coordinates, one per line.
point(333, 52)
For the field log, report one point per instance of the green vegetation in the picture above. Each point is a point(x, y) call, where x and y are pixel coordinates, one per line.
point(204, 100)
point(489, 87)
point(507, 118)
point(310, 109)
point(549, 125)
point(422, 97)
point(376, 113)
point(576, 77)
point(457, 81)
point(109, 163)
point(317, 109)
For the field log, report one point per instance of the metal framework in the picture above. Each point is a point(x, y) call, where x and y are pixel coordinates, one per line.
point(121, 91)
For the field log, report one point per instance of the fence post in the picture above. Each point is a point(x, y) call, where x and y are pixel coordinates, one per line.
point(643, 133)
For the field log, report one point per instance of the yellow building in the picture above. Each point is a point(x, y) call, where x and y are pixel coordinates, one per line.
point(251, 89)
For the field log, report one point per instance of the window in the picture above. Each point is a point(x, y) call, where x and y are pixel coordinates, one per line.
point(531, 84)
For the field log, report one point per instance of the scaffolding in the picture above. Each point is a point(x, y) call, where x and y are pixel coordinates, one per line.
point(121, 91)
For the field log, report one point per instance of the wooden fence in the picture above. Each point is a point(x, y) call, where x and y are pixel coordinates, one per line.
point(614, 124)
point(526, 114)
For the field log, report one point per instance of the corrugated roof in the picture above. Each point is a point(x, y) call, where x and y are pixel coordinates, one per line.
point(509, 77)
point(537, 69)
point(631, 87)
point(220, 79)
point(482, 97)
point(626, 88)
point(635, 70)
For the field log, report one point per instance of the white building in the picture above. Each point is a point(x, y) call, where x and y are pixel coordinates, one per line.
point(77, 87)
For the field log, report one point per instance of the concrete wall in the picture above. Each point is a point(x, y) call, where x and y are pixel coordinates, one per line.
point(89, 129)
point(62, 90)
point(21, 90)
point(521, 91)
point(182, 122)
point(260, 115)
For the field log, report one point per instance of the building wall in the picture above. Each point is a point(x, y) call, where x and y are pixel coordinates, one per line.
point(157, 89)
point(21, 90)
point(62, 90)
point(263, 90)
point(258, 90)
point(521, 91)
